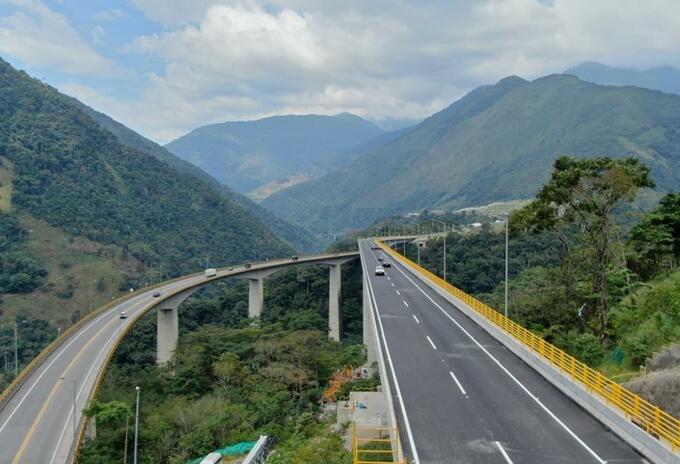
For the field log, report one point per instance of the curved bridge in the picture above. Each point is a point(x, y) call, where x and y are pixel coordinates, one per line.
point(41, 413)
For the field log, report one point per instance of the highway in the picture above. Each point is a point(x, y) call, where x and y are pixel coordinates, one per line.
point(462, 397)
point(37, 424)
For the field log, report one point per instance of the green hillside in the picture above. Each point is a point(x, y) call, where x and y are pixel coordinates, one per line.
point(295, 235)
point(496, 143)
point(76, 176)
point(246, 155)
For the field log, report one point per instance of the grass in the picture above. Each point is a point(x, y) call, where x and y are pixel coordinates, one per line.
point(75, 265)
point(6, 175)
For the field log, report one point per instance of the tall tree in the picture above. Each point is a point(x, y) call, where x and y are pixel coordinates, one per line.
point(586, 192)
point(656, 238)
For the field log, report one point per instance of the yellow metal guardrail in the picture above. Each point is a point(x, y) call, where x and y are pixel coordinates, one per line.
point(652, 419)
point(375, 445)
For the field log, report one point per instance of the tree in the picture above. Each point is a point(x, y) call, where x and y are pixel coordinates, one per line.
point(656, 238)
point(586, 192)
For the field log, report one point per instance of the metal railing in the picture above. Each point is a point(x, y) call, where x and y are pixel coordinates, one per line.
point(650, 418)
point(375, 445)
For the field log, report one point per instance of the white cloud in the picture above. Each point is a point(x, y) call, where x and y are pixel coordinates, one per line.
point(43, 38)
point(380, 59)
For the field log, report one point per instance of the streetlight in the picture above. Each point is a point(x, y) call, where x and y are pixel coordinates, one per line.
point(134, 456)
point(16, 346)
point(444, 224)
point(507, 237)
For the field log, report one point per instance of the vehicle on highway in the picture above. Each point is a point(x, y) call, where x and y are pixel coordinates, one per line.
point(387, 264)
point(210, 272)
point(294, 258)
point(123, 315)
point(247, 265)
point(212, 458)
point(379, 271)
point(380, 258)
point(156, 294)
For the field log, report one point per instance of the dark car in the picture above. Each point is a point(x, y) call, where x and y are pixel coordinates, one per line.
point(387, 264)
point(294, 258)
point(156, 294)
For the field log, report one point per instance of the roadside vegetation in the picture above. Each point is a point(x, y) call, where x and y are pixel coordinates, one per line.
point(587, 272)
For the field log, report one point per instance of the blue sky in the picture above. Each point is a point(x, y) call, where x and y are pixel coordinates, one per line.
point(164, 67)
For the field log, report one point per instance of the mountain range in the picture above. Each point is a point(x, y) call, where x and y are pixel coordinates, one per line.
point(496, 143)
point(66, 171)
point(663, 78)
point(249, 155)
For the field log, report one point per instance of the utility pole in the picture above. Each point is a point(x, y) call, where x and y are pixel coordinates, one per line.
point(134, 456)
point(16, 349)
point(91, 282)
point(507, 236)
point(444, 225)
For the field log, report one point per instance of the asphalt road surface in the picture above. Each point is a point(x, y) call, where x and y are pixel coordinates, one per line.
point(462, 397)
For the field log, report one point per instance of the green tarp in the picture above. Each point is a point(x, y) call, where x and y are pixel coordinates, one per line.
point(233, 450)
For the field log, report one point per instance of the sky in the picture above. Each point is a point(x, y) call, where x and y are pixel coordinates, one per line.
point(165, 67)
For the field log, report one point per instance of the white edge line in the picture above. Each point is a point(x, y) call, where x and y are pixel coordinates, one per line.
point(405, 303)
point(460, 387)
point(116, 332)
point(407, 423)
point(398, 292)
point(62, 350)
point(504, 369)
point(431, 342)
point(503, 452)
point(414, 317)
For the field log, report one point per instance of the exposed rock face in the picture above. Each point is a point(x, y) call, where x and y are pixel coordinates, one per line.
point(661, 385)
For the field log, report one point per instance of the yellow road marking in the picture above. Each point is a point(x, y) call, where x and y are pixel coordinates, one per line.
point(38, 418)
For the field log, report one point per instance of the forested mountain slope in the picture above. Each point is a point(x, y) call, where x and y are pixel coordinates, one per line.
point(246, 155)
point(77, 176)
point(496, 143)
point(296, 236)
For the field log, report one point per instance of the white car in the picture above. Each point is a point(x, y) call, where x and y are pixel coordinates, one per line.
point(123, 315)
point(379, 271)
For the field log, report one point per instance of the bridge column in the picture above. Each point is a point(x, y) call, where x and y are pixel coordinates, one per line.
point(167, 328)
point(255, 297)
point(334, 317)
point(369, 336)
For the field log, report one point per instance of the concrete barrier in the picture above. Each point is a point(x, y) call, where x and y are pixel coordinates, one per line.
point(638, 438)
point(260, 451)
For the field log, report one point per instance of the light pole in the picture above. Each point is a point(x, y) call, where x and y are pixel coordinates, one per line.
point(134, 456)
point(444, 224)
point(507, 236)
point(16, 346)
point(507, 240)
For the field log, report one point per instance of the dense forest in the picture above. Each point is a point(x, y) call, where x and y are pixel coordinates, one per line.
point(77, 176)
point(232, 380)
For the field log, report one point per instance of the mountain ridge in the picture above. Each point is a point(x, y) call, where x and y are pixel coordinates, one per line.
point(246, 155)
point(496, 143)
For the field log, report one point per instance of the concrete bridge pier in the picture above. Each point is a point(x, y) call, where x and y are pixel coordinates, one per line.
point(167, 328)
point(256, 290)
point(369, 338)
point(334, 289)
point(334, 316)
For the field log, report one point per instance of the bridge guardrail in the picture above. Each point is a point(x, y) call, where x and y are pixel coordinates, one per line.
point(645, 415)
